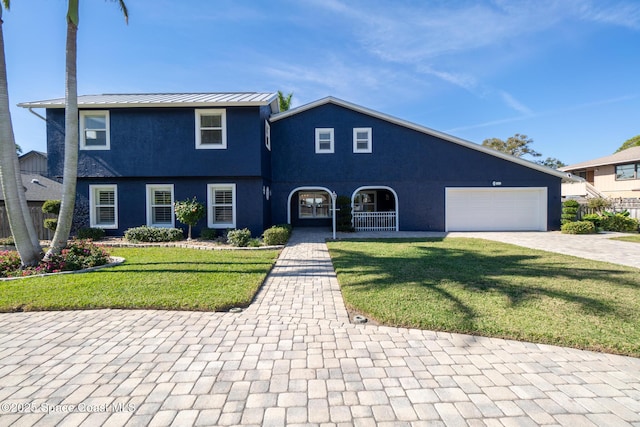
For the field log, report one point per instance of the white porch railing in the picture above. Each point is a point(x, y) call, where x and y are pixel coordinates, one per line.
point(374, 221)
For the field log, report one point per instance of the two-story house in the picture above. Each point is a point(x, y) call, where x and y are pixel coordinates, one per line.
point(254, 166)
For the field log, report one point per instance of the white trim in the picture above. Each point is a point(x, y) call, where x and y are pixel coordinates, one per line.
point(83, 141)
point(331, 149)
point(92, 206)
point(378, 187)
point(223, 128)
point(267, 135)
point(210, 188)
point(468, 144)
point(295, 190)
point(150, 188)
point(369, 148)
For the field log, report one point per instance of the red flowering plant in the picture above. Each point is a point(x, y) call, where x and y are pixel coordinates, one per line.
point(78, 255)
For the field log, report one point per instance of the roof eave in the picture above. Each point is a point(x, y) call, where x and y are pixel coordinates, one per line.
point(423, 129)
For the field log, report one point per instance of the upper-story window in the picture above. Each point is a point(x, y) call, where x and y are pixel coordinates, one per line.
point(267, 135)
point(362, 140)
point(94, 130)
point(628, 171)
point(324, 140)
point(211, 129)
point(160, 205)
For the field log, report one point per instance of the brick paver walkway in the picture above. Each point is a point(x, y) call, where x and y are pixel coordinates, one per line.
point(293, 358)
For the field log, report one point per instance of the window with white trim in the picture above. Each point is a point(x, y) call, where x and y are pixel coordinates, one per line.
point(362, 140)
point(94, 130)
point(221, 205)
point(160, 205)
point(103, 206)
point(267, 135)
point(211, 129)
point(313, 204)
point(324, 140)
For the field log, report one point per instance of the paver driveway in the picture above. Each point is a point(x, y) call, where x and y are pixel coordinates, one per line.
point(293, 358)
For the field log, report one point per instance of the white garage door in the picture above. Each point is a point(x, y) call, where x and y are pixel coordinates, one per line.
point(496, 209)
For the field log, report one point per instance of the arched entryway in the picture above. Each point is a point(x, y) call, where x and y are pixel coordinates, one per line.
point(375, 208)
point(310, 207)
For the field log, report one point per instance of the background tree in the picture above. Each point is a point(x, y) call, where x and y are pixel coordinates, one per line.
point(70, 168)
point(18, 149)
point(551, 162)
point(631, 142)
point(517, 145)
point(284, 101)
point(189, 212)
point(22, 228)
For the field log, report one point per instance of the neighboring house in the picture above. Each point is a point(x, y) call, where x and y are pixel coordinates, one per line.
point(38, 189)
point(34, 162)
point(254, 167)
point(615, 176)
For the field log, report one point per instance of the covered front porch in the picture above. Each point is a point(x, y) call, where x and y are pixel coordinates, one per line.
point(375, 209)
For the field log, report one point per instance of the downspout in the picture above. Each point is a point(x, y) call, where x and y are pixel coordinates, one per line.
point(55, 125)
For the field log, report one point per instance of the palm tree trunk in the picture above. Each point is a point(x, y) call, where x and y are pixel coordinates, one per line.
point(70, 170)
point(10, 174)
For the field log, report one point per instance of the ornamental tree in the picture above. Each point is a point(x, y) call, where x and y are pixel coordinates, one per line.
point(189, 212)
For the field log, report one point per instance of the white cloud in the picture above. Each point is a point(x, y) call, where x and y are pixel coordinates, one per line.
point(514, 103)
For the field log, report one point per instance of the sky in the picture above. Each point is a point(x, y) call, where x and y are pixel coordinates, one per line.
point(566, 73)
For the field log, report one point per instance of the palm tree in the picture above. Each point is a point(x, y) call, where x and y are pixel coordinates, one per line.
point(20, 222)
point(284, 101)
point(70, 168)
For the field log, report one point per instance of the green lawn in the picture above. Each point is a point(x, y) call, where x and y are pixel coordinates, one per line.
point(635, 238)
point(492, 289)
point(156, 277)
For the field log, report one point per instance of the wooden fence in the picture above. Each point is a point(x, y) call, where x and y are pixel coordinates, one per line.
point(633, 206)
point(38, 218)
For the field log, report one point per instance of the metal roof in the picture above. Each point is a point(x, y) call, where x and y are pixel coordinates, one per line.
point(124, 100)
point(625, 156)
point(331, 100)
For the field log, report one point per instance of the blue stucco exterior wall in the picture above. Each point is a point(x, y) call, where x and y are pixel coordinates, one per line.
point(132, 210)
point(417, 166)
point(159, 142)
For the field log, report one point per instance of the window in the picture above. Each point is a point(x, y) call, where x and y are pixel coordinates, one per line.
point(324, 140)
point(365, 201)
point(362, 140)
point(94, 130)
point(103, 202)
point(267, 135)
point(160, 206)
point(313, 205)
point(211, 129)
point(629, 171)
point(221, 205)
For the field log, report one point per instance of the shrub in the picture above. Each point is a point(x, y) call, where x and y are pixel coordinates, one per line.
point(91, 233)
point(344, 216)
point(569, 211)
point(78, 255)
point(254, 243)
point(189, 212)
point(594, 218)
point(276, 235)
point(620, 222)
point(239, 238)
point(152, 234)
point(7, 241)
point(599, 204)
point(578, 227)
point(208, 233)
point(51, 224)
point(51, 206)
point(9, 262)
